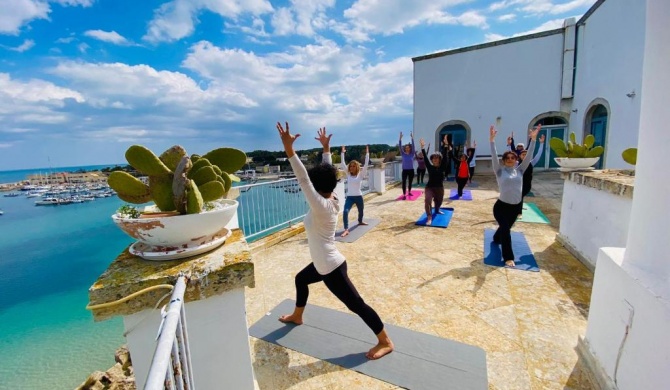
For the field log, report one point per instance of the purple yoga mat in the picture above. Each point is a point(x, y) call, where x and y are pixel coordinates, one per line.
point(453, 195)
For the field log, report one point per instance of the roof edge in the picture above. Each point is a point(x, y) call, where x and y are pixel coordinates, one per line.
point(591, 10)
point(490, 44)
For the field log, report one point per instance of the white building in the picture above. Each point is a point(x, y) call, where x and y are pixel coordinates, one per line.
point(583, 78)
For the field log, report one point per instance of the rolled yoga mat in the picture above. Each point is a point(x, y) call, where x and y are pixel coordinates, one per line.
point(419, 361)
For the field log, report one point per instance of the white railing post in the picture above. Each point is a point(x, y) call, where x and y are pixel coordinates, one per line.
point(378, 179)
point(166, 365)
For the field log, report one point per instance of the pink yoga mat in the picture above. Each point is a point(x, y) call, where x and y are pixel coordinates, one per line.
point(415, 194)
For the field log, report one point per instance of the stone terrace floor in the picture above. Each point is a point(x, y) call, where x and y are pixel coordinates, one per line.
point(434, 281)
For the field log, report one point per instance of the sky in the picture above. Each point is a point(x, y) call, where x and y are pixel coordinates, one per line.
point(82, 80)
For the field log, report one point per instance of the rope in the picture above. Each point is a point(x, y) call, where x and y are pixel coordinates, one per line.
point(129, 297)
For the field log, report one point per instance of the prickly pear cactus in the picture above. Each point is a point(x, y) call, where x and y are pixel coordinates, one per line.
point(177, 181)
point(630, 156)
point(572, 149)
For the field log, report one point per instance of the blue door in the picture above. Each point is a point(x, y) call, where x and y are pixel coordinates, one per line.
point(599, 130)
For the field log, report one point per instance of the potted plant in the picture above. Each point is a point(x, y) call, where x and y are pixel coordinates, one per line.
point(572, 155)
point(190, 211)
point(377, 158)
point(630, 156)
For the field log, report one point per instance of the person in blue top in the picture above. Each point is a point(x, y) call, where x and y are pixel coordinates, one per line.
point(510, 202)
point(407, 152)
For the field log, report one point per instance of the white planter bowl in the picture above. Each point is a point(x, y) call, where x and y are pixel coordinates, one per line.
point(576, 163)
point(179, 230)
point(377, 160)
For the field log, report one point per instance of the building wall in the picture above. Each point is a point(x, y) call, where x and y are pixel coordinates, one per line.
point(516, 81)
point(591, 219)
point(610, 47)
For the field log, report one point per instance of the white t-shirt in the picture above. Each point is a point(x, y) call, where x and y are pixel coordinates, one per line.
point(320, 221)
point(354, 182)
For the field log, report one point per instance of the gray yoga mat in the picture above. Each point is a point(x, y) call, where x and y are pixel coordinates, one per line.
point(357, 231)
point(419, 361)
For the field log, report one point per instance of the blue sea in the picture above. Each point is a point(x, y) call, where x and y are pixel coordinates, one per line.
point(49, 257)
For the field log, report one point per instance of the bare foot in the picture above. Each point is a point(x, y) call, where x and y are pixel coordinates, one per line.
point(363, 223)
point(404, 197)
point(429, 221)
point(291, 319)
point(380, 350)
point(345, 233)
point(438, 211)
point(509, 263)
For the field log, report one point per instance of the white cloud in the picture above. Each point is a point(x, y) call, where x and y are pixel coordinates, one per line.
point(176, 19)
point(507, 18)
point(549, 25)
point(107, 36)
point(25, 46)
point(282, 21)
point(394, 16)
point(16, 13)
point(83, 47)
point(5, 145)
point(539, 7)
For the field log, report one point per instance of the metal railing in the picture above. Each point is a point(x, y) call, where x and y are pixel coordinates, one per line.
point(393, 171)
point(265, 208)
point(171, 366)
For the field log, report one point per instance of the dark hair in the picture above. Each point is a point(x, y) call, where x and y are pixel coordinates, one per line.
point(470, 151)
point(507, 153)
point(436, 155)
point(323, 177)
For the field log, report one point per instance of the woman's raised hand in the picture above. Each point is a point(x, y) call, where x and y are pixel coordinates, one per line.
point(492, 133)
point(367, 149)
point(401, 135)
point(286, 137)
point(534, 132)
point(422, 143)
point(411, 134)
point(344, 149)
point(542, 139)
point(323, 138)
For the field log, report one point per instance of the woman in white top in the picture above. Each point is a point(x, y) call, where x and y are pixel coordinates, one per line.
point(328, 264)
point(355, 177)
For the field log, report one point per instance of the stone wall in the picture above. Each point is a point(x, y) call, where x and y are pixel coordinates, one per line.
point(119, 377)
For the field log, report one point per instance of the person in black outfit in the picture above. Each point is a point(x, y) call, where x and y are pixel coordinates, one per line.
point(435, 185)
point(447, 152)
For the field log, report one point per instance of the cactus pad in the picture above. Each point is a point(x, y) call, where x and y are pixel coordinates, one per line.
point(228, 159)
point(172, 156)
point(145, 161)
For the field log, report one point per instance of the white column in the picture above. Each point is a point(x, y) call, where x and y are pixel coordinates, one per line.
point(377, 178)
point(649, 228)
point(339, 192)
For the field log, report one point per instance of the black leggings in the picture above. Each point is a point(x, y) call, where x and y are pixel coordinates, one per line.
point(407, 174)
point(420, 173)
point(505, 214)
point(472, 173)
point(339, 284)
point(461, 181)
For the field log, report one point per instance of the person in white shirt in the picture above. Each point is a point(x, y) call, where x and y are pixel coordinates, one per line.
point(355, 177)
point(328, 264)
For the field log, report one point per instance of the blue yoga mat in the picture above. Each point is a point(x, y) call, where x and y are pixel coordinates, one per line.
point(439, 220)
point(453, 195)
point(523, 256)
